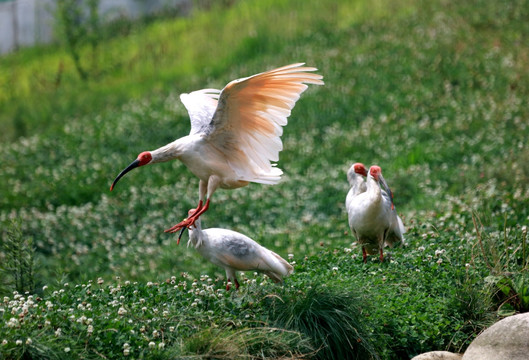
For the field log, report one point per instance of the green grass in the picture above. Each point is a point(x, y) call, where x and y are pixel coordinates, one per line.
point(433, 92)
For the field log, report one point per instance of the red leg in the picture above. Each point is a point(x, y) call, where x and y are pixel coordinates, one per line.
point(236, 284)
point(188, 221)
point(364, 254)
point(381, 255)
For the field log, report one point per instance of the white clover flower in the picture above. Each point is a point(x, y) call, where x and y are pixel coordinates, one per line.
point(171, 328)
point(439, 261)
point(155, 333)
point(194, 304)
point(290, 256)
point(100, 281)
point(29, 341)
point(58, 332)
point(126, 346)
point(149, 284)
point(67, 349)
point(44, 287)
point(122, 311)
point(421, 248)
point(13, 322)
point(47, 323)
point(439, 252)
point(161, 345)
point(334, 268)
point(90, 329)
point(152, 344)
point(18, 342)
point(165, 313)
point(126, 352)
point(4, 342)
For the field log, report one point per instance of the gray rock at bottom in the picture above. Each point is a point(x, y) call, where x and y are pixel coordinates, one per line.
point(438, 355)
point(506, 339)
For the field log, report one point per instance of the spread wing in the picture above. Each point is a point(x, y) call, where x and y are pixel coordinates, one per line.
point(201, 106)
point(247, 124)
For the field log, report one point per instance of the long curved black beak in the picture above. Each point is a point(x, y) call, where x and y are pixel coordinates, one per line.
point(133, 165)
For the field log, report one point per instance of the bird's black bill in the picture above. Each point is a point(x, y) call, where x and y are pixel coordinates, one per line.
point(133, 165)
point(181, 232)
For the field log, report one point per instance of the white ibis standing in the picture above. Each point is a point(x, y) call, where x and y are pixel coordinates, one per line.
point(235, 133)
point(234, 251)
point(372, 215)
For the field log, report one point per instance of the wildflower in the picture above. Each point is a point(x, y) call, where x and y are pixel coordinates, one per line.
point(67, 349)
point(171, 328)
point(290, 256)
point(439, 261)
point(122, 311)
point(152, 344)
point(4, 342)
point(149, 284)
point(13, 322)
point(44, 287)
point(29, 341)
point(100, 281)
point(90, 329)
point(155, 333)
point(58, 332)
point(18, 342)
point(335, 268)
point(161, 345)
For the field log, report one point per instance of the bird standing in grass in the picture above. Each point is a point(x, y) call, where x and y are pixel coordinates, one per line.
point(235, 133)
point(234, 251)
point(372, 215)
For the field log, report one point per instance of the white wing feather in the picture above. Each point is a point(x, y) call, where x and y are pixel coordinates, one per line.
point(201, 106)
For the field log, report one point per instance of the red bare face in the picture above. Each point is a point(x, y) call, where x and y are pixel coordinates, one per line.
point(375, 171)
point(360, 169)
point(144, 158)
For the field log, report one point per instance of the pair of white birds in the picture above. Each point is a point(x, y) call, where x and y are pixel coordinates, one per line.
point(235, 136)
point(372, 215)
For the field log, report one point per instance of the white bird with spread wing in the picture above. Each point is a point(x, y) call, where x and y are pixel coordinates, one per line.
point(235, 133)
point(234, 251)
point(372, 215)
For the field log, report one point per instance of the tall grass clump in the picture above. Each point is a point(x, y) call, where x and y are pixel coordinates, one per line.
point(16, 260)
point(504, 254)
point(330, 317)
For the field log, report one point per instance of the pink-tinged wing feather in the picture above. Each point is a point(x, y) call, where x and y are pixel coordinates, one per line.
point(247, 124)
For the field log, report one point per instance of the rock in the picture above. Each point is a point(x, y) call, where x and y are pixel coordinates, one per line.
point(507, 339)
point(438, 355)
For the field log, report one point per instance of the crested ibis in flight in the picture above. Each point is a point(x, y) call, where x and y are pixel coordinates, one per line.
point(234, 251)
point(235, 133)
point(372, 215)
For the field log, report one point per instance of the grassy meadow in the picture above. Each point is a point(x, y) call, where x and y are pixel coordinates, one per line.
point(435, 92)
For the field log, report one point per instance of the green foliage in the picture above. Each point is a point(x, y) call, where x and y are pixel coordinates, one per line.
point(16, 260)
point(78, 29)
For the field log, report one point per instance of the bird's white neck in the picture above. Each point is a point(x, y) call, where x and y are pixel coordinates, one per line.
point(373, 189)
point(170, 151)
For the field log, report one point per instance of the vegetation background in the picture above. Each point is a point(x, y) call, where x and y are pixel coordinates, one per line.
point(435, 92)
